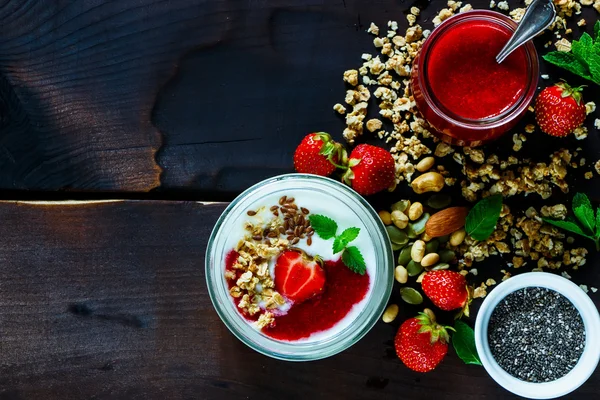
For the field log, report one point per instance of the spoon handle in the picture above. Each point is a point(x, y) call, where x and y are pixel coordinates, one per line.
point(539, 16)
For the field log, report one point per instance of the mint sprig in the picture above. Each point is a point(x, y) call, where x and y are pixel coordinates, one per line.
point(482, 219)
point(326, 228)
point(584, 57)
point(587, 224)
point(342, 241)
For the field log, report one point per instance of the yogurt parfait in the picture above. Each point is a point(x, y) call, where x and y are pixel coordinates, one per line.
point(299, 267)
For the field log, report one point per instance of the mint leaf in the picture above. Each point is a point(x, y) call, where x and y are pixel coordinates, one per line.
point(598, 224)
point(583, 48)
point(568, 225)
point(597, 31)
point(344, 238)
point(324, 226)
point(582, 207)
point(594, 62)
point(464, 343)
point(482, 219)
point(570, 62)
point(353, 259)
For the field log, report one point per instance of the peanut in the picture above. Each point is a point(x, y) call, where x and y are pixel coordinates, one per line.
point(399, 219)
point(430, 260)
point(386, 217)
point(425, 164)
point(415, 211)
point(401, 274)
point(390, 313)
point(418, 251)
point(456, 238)
point(428, 182)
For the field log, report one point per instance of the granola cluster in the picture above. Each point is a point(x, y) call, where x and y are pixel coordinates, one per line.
point(253, 282)
point(526, 241)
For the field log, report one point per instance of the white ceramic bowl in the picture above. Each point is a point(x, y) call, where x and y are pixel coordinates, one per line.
point(591, 353)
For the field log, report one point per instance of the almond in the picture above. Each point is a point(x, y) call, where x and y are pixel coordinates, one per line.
point(446, 221)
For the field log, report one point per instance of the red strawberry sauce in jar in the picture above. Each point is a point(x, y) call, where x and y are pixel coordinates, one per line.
point(460, 89)
point(343, 290)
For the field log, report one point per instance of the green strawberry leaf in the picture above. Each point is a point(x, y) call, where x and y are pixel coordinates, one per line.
point(597, 31)
point(482, 219)
point(324, 226)
point(344, 239)
point(464, 343)
point(353, 259)
point(582, 207)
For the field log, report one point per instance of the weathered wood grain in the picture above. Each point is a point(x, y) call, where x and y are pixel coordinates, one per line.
point(108, 300)
point(79, 80)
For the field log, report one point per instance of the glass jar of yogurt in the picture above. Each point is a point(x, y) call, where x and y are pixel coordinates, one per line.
point(247, 298)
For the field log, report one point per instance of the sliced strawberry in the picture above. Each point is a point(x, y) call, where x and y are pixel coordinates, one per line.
point(298, 277)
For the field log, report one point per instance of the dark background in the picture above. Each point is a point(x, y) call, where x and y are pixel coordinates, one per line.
point(180, 100)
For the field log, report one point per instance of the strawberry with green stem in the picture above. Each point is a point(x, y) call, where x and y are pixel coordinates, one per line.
point(448, 290)
point(421, 343)
point(319, 154)
point(559, 109)
point(370, 170)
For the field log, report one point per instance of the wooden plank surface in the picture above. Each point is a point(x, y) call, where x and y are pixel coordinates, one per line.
point(108, 301)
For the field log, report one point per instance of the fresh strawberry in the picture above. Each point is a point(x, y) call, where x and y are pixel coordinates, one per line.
point(371, 169)
point(298, 276)
point(559, 109)
point(318, 154)
point(421, 343)
point(448, 290)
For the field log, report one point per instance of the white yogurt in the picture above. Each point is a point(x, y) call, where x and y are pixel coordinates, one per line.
point(316, 203)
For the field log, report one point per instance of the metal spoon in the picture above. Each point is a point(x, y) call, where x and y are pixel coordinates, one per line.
point(539, 16)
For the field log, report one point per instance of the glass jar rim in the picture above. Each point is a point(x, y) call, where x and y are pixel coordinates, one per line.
point(329, 345)
point(487, 123)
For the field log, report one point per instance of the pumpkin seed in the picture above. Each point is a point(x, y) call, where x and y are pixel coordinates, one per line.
point(446, 256)
point(419, 226)
point(402, 205)
point(414, 268)
point(396, 235)
point(411, 296)
point(439, 201)
point(443, 239)
point(411, 232)
point(432, 247)
point(404, 257)
point(440, 266)
point(397, 247)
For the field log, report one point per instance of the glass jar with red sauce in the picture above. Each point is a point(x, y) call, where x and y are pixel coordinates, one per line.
point(460, 89)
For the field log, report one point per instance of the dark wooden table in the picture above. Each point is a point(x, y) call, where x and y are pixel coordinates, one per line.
point(166, 104)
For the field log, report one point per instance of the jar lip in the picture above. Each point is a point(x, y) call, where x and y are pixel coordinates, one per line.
point(516, 109)
point(329, 345)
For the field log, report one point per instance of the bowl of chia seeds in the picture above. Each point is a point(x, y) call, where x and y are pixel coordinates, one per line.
point(536, 335)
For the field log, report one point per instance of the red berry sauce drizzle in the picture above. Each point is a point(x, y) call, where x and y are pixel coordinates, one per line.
point(343, 290)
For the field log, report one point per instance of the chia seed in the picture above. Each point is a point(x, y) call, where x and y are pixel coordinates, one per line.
point(536, 335)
